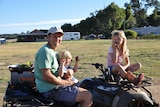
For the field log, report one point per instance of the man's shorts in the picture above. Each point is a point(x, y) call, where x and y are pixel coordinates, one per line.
point(62, 93)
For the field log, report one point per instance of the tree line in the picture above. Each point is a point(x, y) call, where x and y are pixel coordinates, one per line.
point(134, 14)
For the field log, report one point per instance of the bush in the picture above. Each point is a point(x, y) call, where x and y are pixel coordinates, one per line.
point(150, 36)
point(130, 34)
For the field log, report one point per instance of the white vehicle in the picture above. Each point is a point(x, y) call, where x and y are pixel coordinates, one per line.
point(71, 36)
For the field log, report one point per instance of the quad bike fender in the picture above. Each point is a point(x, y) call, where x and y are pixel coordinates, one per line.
point(125, 97)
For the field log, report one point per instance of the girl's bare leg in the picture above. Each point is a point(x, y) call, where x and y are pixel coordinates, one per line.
point(134, 67)
point(119, 70)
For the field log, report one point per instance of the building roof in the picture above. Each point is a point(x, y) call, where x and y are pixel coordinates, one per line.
point(35, 33)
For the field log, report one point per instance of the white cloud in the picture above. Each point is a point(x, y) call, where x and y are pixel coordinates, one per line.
point(42, 22)
point(24, 27)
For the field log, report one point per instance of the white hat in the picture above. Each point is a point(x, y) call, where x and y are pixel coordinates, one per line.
point(54, 30)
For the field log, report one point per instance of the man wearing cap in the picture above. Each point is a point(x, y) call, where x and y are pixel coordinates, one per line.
point(46, 73)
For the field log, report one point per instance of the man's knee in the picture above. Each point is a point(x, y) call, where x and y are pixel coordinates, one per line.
point(89, 94)
point(84, 95)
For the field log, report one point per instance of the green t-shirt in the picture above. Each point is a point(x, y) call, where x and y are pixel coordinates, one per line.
point(45, 58)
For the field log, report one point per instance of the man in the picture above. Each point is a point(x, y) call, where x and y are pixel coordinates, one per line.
point(46, 73)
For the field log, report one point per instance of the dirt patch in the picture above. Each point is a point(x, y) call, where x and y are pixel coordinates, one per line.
point(2, 63)
point(155, 90)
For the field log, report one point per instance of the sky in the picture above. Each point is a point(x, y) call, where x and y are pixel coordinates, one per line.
point(17, 16)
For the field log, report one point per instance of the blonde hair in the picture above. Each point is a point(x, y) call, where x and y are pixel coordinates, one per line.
point(121, 34)
point(64, 54)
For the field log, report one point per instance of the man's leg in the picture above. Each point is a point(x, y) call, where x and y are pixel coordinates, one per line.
point(84, 97)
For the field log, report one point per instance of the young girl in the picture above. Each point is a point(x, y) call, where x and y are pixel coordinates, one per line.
point(118, 59)
point(65, 70)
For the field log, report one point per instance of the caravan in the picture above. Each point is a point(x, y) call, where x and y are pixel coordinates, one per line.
point(71, 36)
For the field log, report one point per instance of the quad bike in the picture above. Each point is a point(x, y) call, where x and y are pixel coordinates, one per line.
point(106, 90)
point(110, 91)
point(21, 90)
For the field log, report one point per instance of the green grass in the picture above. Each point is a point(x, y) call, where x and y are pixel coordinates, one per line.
point(90, 51)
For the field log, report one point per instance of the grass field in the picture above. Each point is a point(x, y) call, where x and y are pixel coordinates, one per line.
point(90, 51)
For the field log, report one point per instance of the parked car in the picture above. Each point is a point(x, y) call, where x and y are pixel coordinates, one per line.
point(102, 36)
point(90, 37)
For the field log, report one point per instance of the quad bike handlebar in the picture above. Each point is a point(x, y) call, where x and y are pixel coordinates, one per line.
point(97, 65)
point(105, 71)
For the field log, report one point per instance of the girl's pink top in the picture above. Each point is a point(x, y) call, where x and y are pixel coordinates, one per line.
point(109, 59)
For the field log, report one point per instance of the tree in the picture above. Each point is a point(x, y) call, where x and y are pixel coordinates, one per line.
point(67, 27)
point(90, 25)
point(150, 3)
point(111, 17)
point(129, 21)
point(154, 19)
point(139, 12)
point(140, 8)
